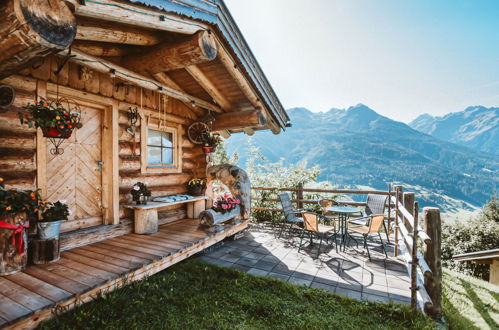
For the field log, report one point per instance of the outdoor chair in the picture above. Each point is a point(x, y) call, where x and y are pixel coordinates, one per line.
point(313, 228)
point(372, 228)
point(290, 217)
point(375, 205)
point(324, 204)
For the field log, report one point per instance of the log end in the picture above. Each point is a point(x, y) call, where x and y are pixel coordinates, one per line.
point(56, 24)
point(208, 46)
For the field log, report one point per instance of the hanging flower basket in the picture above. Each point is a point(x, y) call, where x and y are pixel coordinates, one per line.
point(56, 119)
point(210, 142)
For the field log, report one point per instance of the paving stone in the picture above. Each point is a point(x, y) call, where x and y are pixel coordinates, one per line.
point(398, 283)
point(330, 282)
point(241, 267)
point(271, 258)
point(283, 269)
point(222, 263)
point(375, 298)
point(299, 281)
point(257, 272)
point(265, 265)
point(238, 252)
point(378, 290)
point(230, 258)
point(246, 261)
point(304, 276)
point(398, 294)
point(253, 255)
point(281, 277)
point(318, 285)
point(348, 293)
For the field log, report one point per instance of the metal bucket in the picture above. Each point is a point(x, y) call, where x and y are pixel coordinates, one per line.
point(48, 230)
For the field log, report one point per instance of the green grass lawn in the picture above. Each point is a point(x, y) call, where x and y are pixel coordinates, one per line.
point(470, 303)
point(197, 295)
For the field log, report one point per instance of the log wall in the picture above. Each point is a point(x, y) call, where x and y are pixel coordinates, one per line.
point(18, 142)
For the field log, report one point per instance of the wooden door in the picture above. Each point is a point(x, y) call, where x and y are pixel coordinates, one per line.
point(76, 176)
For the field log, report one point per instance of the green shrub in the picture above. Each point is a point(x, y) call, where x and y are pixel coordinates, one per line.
point(481, 233)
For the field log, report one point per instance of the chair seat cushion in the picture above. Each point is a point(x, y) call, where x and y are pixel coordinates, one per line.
point(294, 219)
point(359, 221)
point(325, 229)
point(361, 229)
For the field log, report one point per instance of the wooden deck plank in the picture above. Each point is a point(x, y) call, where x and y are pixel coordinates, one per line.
point(39, 287)
point(62, 270)
point(105, 258)
point(116, 254)
point(57, 280)
point(177, 232)
point(157, 240)
point(94, 263)
point(10, 310)
point(96, 272)
point(23, 296)
point(3, 322)
point(126, 245)
point(125, 250)
point(134, 241)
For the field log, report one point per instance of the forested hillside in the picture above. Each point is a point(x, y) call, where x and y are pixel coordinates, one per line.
point(357, 146)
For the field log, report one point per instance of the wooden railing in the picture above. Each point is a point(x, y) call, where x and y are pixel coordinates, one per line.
point(423, 268)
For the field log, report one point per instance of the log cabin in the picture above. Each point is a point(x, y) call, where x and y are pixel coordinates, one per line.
point(136, 69)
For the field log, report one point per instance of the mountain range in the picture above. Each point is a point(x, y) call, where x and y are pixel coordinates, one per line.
point(359, 147)
point(476, 127)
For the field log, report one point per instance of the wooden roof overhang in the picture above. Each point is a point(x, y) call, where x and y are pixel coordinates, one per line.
point(190, 50)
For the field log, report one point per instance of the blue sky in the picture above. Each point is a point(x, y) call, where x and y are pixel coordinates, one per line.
point(402, 58)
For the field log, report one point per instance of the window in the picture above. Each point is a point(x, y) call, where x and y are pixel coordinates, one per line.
point(160, 148)
point(161, 152)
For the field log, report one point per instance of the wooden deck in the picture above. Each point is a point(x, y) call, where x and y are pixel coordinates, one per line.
point(83, 273)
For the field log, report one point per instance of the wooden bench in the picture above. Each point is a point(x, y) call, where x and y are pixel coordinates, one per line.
point(146, 216)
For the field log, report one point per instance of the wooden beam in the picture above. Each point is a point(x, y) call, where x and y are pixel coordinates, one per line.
point(240, 119)
point(165, 79)
point(32, 29)
point(112, 34)
point(208, 86)
point(249, 131)
point(100, 49)
point(196, 49)
point(119, 12)
point(104, 66)
point(245, 87)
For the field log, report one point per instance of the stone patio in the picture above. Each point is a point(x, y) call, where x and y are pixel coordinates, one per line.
point(348, 273)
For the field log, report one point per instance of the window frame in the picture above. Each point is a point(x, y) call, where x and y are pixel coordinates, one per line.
point(175, 130)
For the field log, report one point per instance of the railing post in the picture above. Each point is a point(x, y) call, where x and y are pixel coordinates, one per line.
point(414, 256)
point(432, 255)
point(409, 206)
point(299, 195)
point(398, 190)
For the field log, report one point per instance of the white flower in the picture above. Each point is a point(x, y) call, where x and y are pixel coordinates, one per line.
point(63, 201)
point(70, 212)
point(136, 188)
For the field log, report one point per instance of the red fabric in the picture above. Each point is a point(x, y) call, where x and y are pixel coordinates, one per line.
point(17, 231)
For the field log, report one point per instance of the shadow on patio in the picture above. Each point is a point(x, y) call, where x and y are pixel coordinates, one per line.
point(348, 273)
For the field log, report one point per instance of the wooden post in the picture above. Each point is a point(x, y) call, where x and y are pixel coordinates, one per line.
point(409, 206)
point(432, 255)
point(299, 196)
point(414, 257)
point(389, 211)
point(398, 190)
point(44, 251)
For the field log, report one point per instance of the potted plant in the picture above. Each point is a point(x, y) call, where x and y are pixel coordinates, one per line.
point(140, 193)
point(52, 217)
point(210, 142)
point(15, 209)
point(196, 186)
point(55, 120)
point(225, 203)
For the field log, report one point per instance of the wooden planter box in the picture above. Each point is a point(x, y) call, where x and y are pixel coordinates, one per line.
point(11, 260)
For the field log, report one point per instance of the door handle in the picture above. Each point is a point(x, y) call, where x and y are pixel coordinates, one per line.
point(100, 163)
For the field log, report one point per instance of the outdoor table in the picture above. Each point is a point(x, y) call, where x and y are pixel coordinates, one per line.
point(343, 213)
